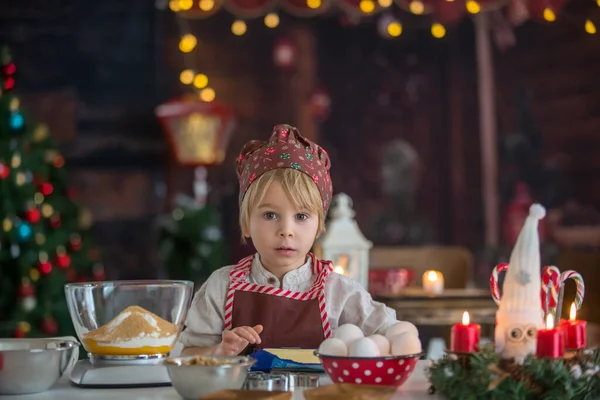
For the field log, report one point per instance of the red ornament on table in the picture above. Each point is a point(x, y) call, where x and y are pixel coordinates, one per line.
point(550, 341)
point(465, 336)
point(32, 215)
point(575, 331)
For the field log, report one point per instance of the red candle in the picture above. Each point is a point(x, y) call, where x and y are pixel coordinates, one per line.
point(465, 336)
point(575, 332)
point(550, 341)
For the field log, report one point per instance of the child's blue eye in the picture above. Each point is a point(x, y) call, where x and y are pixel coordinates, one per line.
point(270, 215)
point(302, 216)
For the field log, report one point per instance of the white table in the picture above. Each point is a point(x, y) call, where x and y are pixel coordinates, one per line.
point(414, 389)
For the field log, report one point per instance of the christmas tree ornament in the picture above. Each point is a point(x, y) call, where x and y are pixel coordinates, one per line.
point(32, 215)
point(49, 326)
point(75, 242)
point(34, 274)
point(15, 162)
point(520, 312)
point(7, 224)
point(46, 188)
point(16, 120)
point(4, 171)
point(45, 267)
point(40, 238)
point(24, 231)
point(28, 303)
point(63, 261)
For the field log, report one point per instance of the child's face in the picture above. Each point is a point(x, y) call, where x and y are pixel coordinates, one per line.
point(282, 234)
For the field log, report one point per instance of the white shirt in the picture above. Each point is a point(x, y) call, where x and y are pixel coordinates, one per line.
point(346, 300)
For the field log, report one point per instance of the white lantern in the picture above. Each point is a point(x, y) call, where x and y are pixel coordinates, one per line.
point(343, 242)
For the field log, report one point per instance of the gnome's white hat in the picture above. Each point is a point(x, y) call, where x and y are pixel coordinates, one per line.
point(522, 283)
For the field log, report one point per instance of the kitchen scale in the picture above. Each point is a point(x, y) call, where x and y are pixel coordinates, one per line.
point(121, 371)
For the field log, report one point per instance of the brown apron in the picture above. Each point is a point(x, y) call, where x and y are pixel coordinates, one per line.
point(290, 319)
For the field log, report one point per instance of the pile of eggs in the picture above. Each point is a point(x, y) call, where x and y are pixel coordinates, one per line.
point(348, 340)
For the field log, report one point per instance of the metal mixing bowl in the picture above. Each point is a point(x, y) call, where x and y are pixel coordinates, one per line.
point(34, 365)
point(195, 381)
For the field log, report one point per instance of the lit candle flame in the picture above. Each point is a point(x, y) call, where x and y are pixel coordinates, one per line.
point(465, 319)
point(432, 276)
point(573, 312)
point(549, 321)
point(339, 270)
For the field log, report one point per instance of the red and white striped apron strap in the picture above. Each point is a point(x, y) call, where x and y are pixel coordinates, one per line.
point(324, 268)
point(237, 279)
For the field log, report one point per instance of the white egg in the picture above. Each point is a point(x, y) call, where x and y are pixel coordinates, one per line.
point(333, 347)
point(363, 347)
point(401, 327)
point(405, 343)
point(348, 333)
point(382, 344)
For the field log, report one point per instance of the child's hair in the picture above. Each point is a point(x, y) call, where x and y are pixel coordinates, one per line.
point(299, 188)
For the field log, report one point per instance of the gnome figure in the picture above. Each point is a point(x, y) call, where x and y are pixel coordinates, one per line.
point(520, 314)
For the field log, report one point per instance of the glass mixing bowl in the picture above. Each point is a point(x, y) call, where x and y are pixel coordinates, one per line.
point(124, 319)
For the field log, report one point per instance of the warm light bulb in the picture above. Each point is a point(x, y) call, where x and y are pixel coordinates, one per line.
point(590, 27)
point(207, 95)
point(186, 77)
point(394, 29)
point(238, 28)
point(271, 20)
point(473, 7)
point(549, 15)
point(187, 43)
point(549, 321)
point(432, 276)
point(367, 6)
point(174, 5)
point(416, 7)
point(598, 2)
point(206, 5)
point(573, 312)
point(186, 4)
point(387, 3)
point(201, 81)
point(438, 31)
point(465, 318)
point(314, 4)
point(339, 270)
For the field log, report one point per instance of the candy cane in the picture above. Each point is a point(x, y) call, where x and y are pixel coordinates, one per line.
point(580, 290)
point(550, 286)
point(494, 281)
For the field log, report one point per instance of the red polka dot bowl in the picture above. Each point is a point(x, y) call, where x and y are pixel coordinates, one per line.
point(383, 371)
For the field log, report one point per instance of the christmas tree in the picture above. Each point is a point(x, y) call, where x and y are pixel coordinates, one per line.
point(44, 234)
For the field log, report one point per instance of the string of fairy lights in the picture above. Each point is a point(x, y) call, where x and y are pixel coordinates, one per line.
point(390, 25)
point(393, 27)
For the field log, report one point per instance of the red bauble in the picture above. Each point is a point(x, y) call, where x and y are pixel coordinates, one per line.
point(63, 260)
point(4, 171)
point(46, 188)
point(71, 275)
point(75, 243)
point(9, 83)
point(284, 53)
point(19, 333)
point(49, 326)
point(26, 290)
point(45, 267)
point(55, 221)
point(10, 69)
point(98, 273)
point(32, 215)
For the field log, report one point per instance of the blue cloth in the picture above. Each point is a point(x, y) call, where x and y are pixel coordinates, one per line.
point(266, 361)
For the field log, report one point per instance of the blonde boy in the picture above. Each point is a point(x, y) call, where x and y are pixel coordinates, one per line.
point(282, 296)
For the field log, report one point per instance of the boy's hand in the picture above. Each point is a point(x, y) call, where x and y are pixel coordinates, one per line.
point(236, 340)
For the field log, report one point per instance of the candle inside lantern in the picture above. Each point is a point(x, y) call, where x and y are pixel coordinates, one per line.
point(433, 282)
point(465, 336)
point(339, 269)
point(575, 331)
point(550, 341)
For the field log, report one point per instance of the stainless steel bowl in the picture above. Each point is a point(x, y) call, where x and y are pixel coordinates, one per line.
point(195, 381)
point(35, 365)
